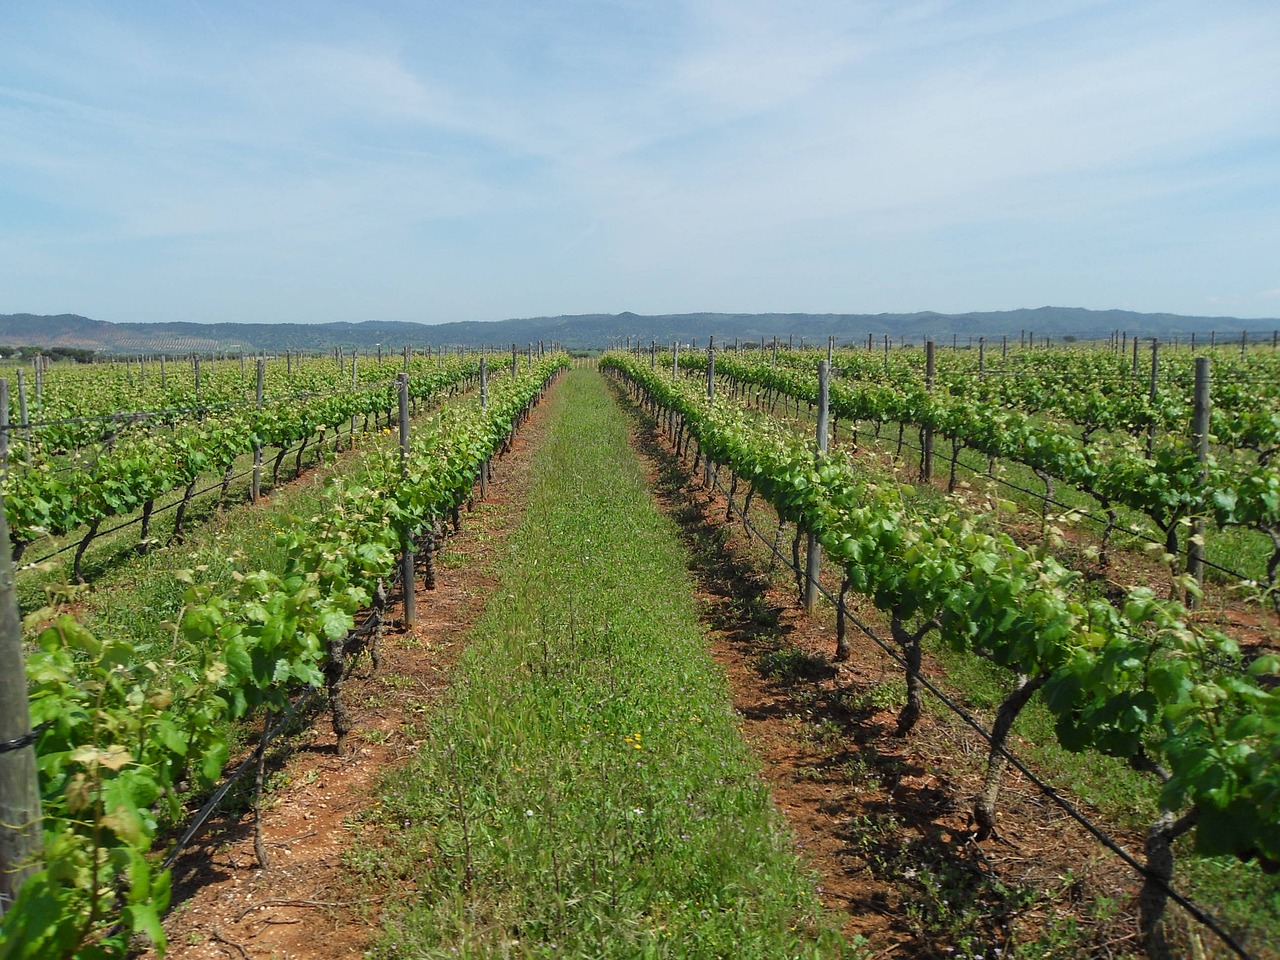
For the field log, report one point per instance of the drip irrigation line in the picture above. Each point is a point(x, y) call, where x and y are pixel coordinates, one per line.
point(155, 512)
point(1048, 791)
point(1058, 503)
point(1195, 911)
point(169, 416)
point(129, 523)
point(211, 805)
point(1084, 513)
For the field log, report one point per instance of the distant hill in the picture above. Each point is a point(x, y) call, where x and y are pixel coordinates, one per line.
point(598, 330)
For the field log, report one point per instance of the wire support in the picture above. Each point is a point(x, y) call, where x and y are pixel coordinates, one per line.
point(1193, 910)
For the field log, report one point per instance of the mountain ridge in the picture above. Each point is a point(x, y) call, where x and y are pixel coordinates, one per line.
point(598, 330)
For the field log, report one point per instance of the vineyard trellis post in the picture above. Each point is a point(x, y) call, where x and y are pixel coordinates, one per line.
point(982, 357)
point(24, 423)
point(484, 405)
point(406, 540)
point(711, 368)
point(4, 426)
point(255, 490)
point(21, 833)
point(515, 363)
point(653, 354)
point(355, 358)
point(711, 395)
point(1200, 434)
point(1155, 375)
point(926, 445)
point(675, 359)
point(814, 549)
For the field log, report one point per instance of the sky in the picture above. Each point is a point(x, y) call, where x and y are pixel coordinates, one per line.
point(316, 160)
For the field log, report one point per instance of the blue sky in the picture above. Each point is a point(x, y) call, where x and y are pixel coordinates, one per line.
point(314, 161)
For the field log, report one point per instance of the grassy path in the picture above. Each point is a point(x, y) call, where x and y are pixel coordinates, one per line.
point(584, 790)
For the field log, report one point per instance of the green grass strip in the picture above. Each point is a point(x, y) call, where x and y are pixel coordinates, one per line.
point(584, 790)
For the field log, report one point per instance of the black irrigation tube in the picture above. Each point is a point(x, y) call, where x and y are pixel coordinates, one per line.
point(1058, 503)
point(1196, 912)
point(215, 800)
point(172, 416)
point(129, 523)
point(159, 510)
point(1053, 500)
point(211, 805)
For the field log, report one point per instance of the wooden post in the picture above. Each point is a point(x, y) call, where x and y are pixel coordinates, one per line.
point(813, 555)
point(675, 359)
point(653, 354)
point(926, 455)
point(355, 363)
point(21, 832)
point(1155, 373)
point(711, 395)
point(711, 368)
point(982, 357)
point(515, 363)
point(484, 405)
point(24, 423)
point(406, 540)
point(255, 486)
point(4, 429)
point(1200, 437)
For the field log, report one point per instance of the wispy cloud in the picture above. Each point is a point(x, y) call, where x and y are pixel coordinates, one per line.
point(564, 156)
